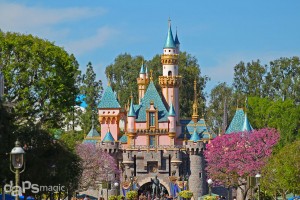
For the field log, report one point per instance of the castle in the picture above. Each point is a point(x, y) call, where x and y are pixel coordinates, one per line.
point(156, 141)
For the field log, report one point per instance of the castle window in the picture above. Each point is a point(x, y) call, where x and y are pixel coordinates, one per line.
point(151, 118)
point(152, 141)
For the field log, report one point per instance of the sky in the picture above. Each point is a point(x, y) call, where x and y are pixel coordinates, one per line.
point(219, 34)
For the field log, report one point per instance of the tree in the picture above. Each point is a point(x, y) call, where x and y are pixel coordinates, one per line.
point(125, 70)
point(94, 169)
point(284, 78)
point(92, 92)
point(232, 157)
point(284, 116)
point(221, 96)
point(249, 78)
point(281, 175)
point(40, 79)
point(278, 80)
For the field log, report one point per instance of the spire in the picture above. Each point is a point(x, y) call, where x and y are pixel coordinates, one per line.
point(108, 80)
point(170, 40)
point(151, 75)
point(225, 117)
point(146, 71)
point(172, 110)
point(195, 104)
point(177, 43)
point(131, 112)
point(142, 71)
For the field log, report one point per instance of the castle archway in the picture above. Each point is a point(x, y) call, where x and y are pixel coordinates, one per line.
point(146, 189)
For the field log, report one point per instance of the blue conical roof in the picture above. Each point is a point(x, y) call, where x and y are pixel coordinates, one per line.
point(131, 112)
point(246, 125)
point(172, 110)
point(108, 137)
point(151, 95)
point(93, 133)
point(170, 40)
point(195, 136)
point(142, 71)
point(109, 99)
point(239, 122)
point(176, 39)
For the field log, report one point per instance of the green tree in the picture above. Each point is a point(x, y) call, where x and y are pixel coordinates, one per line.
point(92, 91)
point(122, 75)
point(249, 78)
point(281, 175)
point(222, 99)
point(284, 79)
point(282, 115)
point(40, 79)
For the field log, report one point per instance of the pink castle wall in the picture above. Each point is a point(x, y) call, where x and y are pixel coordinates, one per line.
point(163, 140)
point(141, 140)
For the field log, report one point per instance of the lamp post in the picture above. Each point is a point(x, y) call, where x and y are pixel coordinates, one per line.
point(187, 181)
point(17, 161)
point(116, 184)
point(257, 176)
point(210, 182)
point(131, 183)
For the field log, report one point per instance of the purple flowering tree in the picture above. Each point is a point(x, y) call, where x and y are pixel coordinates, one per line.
point(231, 158)
point(97, 166)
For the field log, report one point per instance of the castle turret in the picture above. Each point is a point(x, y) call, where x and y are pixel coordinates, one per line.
point(142, 82)
point(172, 124)
point(110, 113)
point(197, 177)
point(170, 81)
point(131, 123)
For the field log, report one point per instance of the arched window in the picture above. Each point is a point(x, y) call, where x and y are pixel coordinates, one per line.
point(170, 73)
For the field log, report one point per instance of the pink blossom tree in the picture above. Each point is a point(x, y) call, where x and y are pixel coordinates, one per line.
point(231, 158)
point(97, 166)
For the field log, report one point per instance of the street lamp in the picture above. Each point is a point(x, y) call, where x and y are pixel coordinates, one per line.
point(210, 182)
point(187, 183)
point(131, 183)
point(116, 184)
point(17, 161)
point(258, 176)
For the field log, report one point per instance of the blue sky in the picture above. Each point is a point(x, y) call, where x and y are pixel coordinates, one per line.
point(219, 34)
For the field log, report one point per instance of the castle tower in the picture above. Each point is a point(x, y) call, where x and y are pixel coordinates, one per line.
point(170, 81)
point(110, 113)
point(195, 104)
point(131, 123)
point(142, 81)
point(172, 124)
point(197, 178)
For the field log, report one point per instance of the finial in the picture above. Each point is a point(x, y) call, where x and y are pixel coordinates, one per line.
point(237, 103)
point(108, 81)
point(169, 22)
point(151, 74)
point(246, 103)
point(92, 121)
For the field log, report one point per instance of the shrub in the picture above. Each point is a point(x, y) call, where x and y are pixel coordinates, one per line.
point(186, 194)
point(131, 195)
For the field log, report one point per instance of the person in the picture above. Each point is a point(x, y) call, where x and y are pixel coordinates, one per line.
point(155, 187)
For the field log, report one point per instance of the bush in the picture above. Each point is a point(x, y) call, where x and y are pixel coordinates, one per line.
point(113, 197)
point(210, 198)
point(186, 194)
point(131, 195)
point(120, 197)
